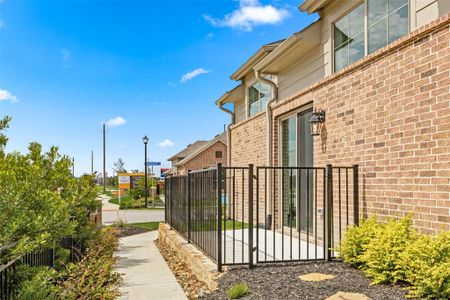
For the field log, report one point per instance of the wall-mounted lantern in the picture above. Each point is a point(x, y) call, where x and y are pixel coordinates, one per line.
point(316, 122)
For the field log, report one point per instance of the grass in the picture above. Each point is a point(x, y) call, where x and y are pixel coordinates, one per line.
point(209, 224)
point(237, 291)
point(127, 202)
point(145, 225)
point(228, 225)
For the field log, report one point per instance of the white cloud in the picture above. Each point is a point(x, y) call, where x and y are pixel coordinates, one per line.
point(190, 75)
point(7, 96)
point(249, 14)
point(117, 121)
point(166, 143)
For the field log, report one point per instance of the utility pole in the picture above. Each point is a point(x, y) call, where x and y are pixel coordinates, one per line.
point(92, 161)
point(104, 157)
point(73, 166)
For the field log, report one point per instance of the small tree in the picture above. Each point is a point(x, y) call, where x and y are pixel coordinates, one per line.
point(40, 200)
point(139, 190)
point(119, 166)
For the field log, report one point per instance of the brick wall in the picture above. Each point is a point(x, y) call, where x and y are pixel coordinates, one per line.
point(389, 113)
point(248, 142)
point(205, 159)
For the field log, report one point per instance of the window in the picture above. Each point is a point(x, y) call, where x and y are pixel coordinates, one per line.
point(258, 96)
point(218, 154)
point(387, 20)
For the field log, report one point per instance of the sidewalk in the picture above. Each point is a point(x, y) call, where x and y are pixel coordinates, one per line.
point(145, 272)
point(106, 206)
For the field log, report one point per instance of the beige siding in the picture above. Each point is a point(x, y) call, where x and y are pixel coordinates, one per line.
point(240, 111)
point(301, 74)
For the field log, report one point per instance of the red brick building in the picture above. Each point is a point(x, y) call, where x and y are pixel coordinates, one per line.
point(200, 155)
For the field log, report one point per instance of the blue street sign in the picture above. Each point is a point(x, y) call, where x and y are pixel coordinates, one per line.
point(153, 163)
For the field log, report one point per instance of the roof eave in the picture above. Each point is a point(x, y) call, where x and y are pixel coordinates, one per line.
point(254, 59)
point(308, 35)
point(247, 66)
point(285, 46)
point(227, 95)
point(312, 6)
point(199, 151)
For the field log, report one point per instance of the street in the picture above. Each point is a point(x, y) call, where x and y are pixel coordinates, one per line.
point(111, 214)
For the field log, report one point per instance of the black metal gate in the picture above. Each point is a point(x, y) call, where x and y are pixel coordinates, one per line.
point(277, 214)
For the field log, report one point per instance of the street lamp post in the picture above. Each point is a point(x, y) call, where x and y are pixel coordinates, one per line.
point(145, 140)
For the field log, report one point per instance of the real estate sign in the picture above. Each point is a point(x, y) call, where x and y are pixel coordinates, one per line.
point(124, 181)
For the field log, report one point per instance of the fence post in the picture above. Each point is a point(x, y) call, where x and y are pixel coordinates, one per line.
point(250, 216)
point(170, 203)
point(219, 216)
point(329, 213)
point(189, 205)
point(165, 200)
point(356, 194)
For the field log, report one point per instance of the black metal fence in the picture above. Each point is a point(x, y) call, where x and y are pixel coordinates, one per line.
point(192, 208)
point(45, 257)
point(247, 215)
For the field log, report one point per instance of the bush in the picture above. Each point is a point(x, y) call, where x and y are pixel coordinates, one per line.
point(426, 264)
point(355, 241)
point(394, 252)
point(92, 277)
point(382, 255)
point(237, 291)
point(38, 284)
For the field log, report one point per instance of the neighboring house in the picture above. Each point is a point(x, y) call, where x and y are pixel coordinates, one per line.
point(380, 71)
point(200, 155)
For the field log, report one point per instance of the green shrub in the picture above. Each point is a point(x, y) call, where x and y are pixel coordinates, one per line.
point(355, 240)
point(237, 291)
point(38, 285)
point(426, 264)
point(93, 277)
point(382, 255)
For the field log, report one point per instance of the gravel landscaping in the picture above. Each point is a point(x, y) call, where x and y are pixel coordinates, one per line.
point(282, 282)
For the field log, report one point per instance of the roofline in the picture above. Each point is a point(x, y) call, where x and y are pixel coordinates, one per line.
point(176, 155)
point(283, 47)
point(312, 6)
point(226, 95)
point(202, 149)
point(286, 45)
point(248, 65)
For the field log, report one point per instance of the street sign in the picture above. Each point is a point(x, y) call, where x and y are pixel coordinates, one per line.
point(153, 163)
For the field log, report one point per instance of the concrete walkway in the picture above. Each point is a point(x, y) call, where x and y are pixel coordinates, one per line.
point(145, 272)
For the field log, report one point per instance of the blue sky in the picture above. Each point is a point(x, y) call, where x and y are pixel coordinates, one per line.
point(148, 67)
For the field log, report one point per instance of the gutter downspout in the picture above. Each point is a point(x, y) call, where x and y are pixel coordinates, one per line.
point(269, 162)
point(228, 145)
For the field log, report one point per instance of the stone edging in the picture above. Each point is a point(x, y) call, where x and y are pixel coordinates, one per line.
point(201, 266)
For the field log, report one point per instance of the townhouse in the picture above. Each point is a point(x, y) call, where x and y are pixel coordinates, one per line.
point(368, 83)
point(200, 155)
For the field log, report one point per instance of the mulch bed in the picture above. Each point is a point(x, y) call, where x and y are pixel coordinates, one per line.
point(281, 282)
point(192, 287)
point(128, 231)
